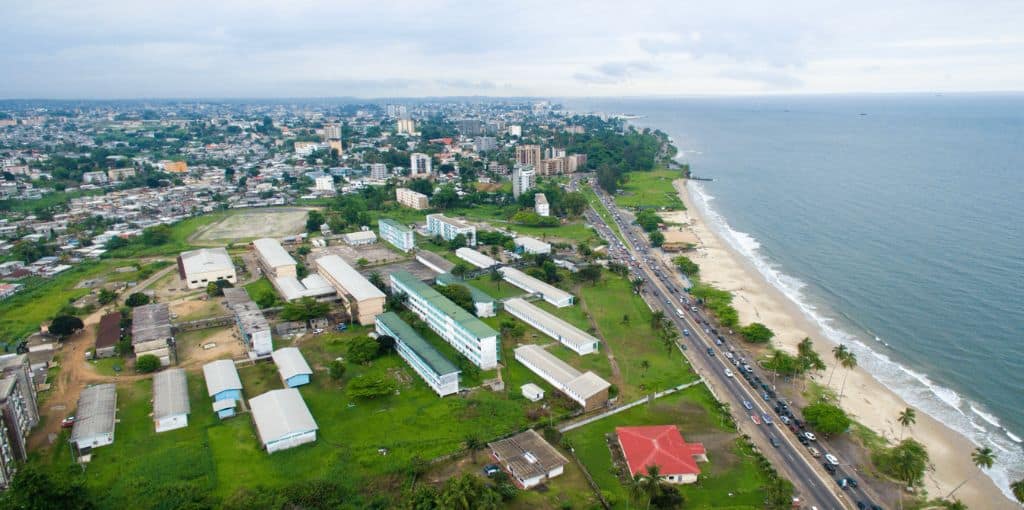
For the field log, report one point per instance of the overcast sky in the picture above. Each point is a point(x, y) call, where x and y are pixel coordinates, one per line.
point(296, 48)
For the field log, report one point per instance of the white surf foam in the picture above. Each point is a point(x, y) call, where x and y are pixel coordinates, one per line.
point(939, 402)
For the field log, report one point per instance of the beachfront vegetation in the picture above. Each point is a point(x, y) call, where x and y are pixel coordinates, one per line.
point(906, 462)
point(651, 189)
point(1018, 490)
point(757, 333)
point(687, 266)
point(983, 458)
point(828, 419)
point(719, 302)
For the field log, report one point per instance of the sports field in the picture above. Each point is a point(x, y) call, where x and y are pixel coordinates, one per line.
point(253, 224)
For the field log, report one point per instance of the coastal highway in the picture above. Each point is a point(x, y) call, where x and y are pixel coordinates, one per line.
point(706, 352)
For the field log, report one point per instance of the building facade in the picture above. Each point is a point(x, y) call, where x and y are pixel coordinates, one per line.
point(200, 267)
point(420, 165)
point(585, 388)
point(363, 300)
point(472, 338)
point(524, 178)
point(437, 371)
point(575, 339)
point(399, 235)
point(528, 155)
point(449, 228)
point(540, 205)
point(412, 199)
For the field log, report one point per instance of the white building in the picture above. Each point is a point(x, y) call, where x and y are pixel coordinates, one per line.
point(304, 149)
point(170, 400)
point(314, 286)
point(292, 366)
point(449, 228)
point(437, 371)
point(524, 178)
point(253, 326)
point(359, 238)
point(532, 246)
point(200, 267)
point(94, 418)
point(324, 183)
point(399, 235)
point(485, 144)
point(420, 165)
point(550, 293)
point(282, 420)
point(405, 127)
point(515, 130)
point(471, 337)
point(273, 258)
point(585, 388)
point(568, 335)
point(540, 205)
point(476, 258)
point(378, 171)
point(412, 199)
point(532, 392)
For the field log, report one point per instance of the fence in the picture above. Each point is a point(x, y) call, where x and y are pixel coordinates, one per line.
point(649, 398)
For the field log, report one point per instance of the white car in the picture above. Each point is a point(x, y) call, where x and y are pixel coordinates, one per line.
point(831, 459)
point(814, 451)
point(728, 373)
point(810, 436)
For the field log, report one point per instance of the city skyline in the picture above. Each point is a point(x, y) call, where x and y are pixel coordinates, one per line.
point(114, 50)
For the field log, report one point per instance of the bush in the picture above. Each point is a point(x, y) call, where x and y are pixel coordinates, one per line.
point(137, 299)
point(65, 325)
point(362, 350)
point(686, 266)
point(905, 462)
point(147, 363)
point(757, 333)
point(826, 418)
point(336, 370)
point(719, 302)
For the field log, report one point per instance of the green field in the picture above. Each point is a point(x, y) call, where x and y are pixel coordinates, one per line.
point(730, 478)
point(178, 242)
point(650, 189)
point(603, 212)
point(574, 232)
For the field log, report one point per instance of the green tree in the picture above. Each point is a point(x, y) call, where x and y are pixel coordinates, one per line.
point(304, 309)
point(369, 386)
point(460, 269)
point(459, 295)
point(1018, 490)
point(849, 362)
point(65, 325)
point(313, 221)
point(156, 235)
point(106, 296)
point(657, 320)
point(906, 462)
point(468, 492)
point(657, 238)
point(838, 352)
point(757, 333)
point(362, 262)
point(147, 363)
point(336, 369)
point(687, 266)
point(137, 299)
point(474, 445)
point(362, 350)
point(216, 288)
point(590, 273)
point(375, 278)
point(34, 488)
point(495, 277)
point(983, 458)
point(422, 186)
point(906, 418)
point(828, 419)
point(783, 363)
point(644, 365)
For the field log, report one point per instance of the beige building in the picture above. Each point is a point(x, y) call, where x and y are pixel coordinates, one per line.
point(412, 199)
point(363, 300)
point(275, 261)
point(178, 167)
point(406, 126)
point(200, 267)
point(528, 155)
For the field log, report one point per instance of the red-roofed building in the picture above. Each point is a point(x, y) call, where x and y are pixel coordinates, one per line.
point(662, 446)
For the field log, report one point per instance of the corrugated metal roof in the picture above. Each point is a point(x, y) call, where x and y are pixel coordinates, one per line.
point(278, 413)
point(351, 280)
point(205, 260)
point(290, 362)
point(170, 393)
point(531, 284)
point(565, 333)
point(97, 406)
point(475, 257)
point(151, 322)
point(527, 455)
point(564, 375)
point(221, 375)
point(408, 336)
point(273, 253)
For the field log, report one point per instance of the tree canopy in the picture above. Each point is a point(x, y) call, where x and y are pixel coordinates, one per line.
point(757, 333)
point(826, 418)
point(65, 325)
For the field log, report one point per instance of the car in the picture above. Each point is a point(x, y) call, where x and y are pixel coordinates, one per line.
point(68, 422)
point(784, 419)
point(793, 428)
point(803, 440)
point(686, 332)
point(831, 459)
point(798, 422)
point(829, 467)
point(844, 483)
point(491, 470)
point(814, 452)
point(342, 327)
point(767, 418)
point(728, 355)
point(810, 436)
point(748, 405)
point(755, 419)
point(718, 341)
point(765, 396)
point(711, 352)
point(773, 440)
point(728, 373)
point(862, 505)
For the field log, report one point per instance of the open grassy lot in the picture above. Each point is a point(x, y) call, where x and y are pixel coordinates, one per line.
point(570, 232)
point(106, 366)
point(41, 299)
point(177, 243)
point(650, 189)
point(730, 478)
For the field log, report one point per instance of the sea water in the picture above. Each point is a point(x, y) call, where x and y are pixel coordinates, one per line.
point(894, 221)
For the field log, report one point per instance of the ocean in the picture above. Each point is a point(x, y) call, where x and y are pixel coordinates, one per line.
point(894, 221)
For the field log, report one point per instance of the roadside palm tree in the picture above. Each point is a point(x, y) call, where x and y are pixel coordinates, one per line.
point(906, 418)
point(983, 457)
point(838, 352)
point(636, 487)
point(474, 444)
point(1018, 490)
point(848, 362)
point(657, 319)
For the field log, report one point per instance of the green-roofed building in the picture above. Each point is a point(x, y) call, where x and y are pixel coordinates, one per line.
point(484, 304)
point(475, 340)
point(439, 373)
point(399, 235)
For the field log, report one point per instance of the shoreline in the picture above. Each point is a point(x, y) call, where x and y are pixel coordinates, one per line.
point(866, 399)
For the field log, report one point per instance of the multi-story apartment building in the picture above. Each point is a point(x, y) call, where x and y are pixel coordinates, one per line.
point(412, 199)
point(379, 171)
point(332, 132)
point(524, 178)
point(528, 155)
point(471, 337)
point(485, 144)
point(437, 371)
point(448, 228)
point(405, 126)
point(399, 235)
point(19, 413)
point(420, 165)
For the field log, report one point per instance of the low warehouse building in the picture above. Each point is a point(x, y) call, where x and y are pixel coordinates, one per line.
point(151, 332)
point(94, 418)
point(200, 267)
point(359, 238)
point(170, 400)
point(531, 246)
point(528, 459)
point(550, 293)
point(223, 386)
point(292, 366)
point(568, 335)
point(275, 261)
point(476, 258)
point(109, 335)
point(252, 324)
point(586, 389)
point(282, 420)
point(434, 262)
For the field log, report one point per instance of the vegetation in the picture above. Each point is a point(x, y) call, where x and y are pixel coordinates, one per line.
point(906, 418)
point(651, 189)
point(719, 302)
point(459, 295)
point(826, 418)
point(64, 326)
point(137, 299)
point(304, 309)
point(757, 333)
point(36, 489)
point(370, 387)
point(686, 266)
point(983, 458)
point(906, 462)
point(147, 363)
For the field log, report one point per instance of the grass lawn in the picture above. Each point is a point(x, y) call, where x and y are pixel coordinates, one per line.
point(178, 242)
point(730, 467)
point(496, 289)
point(574, 232)
point(651, 189)
point(106, 366)
point(140, 273)
point(41, 299)
point(261, 287)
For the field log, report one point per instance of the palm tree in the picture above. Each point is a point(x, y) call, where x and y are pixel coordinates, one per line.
point(652, 485)
point(848, 362)
point(495, 277)
point(1018, 490)
point(474, 444)
point(906, 418)
point(983, 457)
point(657, 319)
point(636, 486)
point(838, 352)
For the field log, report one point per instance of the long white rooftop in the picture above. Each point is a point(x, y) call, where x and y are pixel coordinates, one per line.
point(354, 283)
point(273, 253)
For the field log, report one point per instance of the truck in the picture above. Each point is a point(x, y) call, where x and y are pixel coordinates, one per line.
point(679, 313)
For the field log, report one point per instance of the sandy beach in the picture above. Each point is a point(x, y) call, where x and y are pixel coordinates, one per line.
point(867, 400)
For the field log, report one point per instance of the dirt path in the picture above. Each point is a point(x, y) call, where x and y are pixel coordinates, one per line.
point(616, 373)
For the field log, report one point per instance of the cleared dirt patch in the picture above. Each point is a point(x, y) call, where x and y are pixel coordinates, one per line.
point(254, 224)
